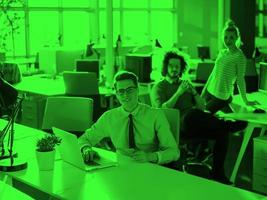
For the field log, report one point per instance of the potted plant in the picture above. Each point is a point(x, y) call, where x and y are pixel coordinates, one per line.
point(45, 151)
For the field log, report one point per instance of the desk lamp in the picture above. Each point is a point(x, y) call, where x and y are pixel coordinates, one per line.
point(9, 99)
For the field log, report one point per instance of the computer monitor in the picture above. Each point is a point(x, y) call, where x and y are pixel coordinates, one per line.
point(65, 60)
point(204, 69)
point(203, 52)
point(56, 60)
point(87, 65)
point(141, 65)
point(80, 83)
point(263, 77)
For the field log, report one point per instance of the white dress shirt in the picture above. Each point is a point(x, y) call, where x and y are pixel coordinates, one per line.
point(151, 129)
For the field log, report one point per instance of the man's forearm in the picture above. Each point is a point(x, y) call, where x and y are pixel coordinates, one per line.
point(172, 101)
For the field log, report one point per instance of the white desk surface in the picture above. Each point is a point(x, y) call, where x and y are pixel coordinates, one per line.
point(135, 181)
point(41, 85)
point(131, 182)
point(8, 192)
point(239, 107)
point(21, 61)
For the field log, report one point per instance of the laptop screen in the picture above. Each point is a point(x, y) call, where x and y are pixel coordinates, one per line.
point(263, 77)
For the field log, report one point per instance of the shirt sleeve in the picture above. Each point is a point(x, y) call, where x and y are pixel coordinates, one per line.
point(168, 148)
point(156, 96)
point(96, 133)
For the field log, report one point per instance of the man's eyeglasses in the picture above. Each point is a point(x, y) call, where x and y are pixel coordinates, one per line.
point(128, 90)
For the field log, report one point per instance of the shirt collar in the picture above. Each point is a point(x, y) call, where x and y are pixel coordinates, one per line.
point(170, 81)
point(134, 112)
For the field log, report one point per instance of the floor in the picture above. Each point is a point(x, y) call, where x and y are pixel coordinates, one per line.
point(244, 175)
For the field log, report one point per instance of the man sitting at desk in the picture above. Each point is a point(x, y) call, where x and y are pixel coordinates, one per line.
point(135, 126)
point(172, 92)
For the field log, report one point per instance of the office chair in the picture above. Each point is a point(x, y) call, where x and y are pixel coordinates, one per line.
point(85, 84)
point(72, 114)
point(188, 159)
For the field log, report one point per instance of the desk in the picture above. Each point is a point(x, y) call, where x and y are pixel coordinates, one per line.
point(135, 181)
point(255, 120)
point(39, 87)
point(8, 192)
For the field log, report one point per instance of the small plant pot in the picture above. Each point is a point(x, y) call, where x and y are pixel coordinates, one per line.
point(46, 160)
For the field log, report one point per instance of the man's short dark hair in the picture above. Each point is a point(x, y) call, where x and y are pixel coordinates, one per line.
point(169, 55)
point(125, 75)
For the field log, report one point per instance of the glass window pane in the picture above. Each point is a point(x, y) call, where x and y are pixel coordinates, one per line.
point(75, 3)
point(16, 3)
point(103, 28)
point(116, 3)
point(76, 29)
point(135, 3)
point(16, 46)
point(161, 4)
point(43, 30)
point(43, 3)
point(135, 33)
point(162, 27)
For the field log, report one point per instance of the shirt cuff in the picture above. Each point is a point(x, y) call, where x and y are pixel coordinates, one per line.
point(84, 146)
point(159, 157)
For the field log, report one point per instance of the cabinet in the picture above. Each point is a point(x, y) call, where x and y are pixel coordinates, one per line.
point(260, 164)
point(33, 111)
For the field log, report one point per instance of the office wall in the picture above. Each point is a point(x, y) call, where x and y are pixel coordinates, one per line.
point(198, 24)
point(243, 13)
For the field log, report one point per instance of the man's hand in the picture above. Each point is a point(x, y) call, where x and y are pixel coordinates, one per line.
point(184, 86)
point(89, 155)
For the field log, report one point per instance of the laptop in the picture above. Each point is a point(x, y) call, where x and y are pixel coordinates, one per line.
point(69, 150)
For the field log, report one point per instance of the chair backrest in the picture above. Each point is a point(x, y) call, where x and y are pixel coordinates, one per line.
point(173, 117)
point(68, 113)
point(80, 83)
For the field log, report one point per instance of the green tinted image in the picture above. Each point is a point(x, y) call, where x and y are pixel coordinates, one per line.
point(133, 99)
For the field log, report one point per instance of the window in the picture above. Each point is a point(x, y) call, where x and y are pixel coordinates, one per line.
point(136, 33)
point(135, 3)
point(76, 31)
point(43, 3)
point(102, 3)
point(102, 25)
point(16, 47)
point(43, 30)
point(161, 4)
point(76, 3)
point(162, 27)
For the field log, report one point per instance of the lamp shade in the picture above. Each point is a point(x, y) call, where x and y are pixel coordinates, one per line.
point(8, 94)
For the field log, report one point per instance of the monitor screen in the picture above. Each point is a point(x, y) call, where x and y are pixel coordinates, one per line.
point(263, 77)
point(203, 52)
point(141, 65)
point(88, 66)
point(65, 60)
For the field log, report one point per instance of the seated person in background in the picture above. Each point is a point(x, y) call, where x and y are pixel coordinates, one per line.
point(172, 92)
point(135, 126)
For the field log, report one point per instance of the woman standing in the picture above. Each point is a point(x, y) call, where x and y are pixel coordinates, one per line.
point(230, 67)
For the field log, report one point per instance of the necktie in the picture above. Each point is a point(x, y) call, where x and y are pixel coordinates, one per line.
point(131, 132)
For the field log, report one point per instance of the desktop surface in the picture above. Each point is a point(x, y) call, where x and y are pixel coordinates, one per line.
point(134, 181)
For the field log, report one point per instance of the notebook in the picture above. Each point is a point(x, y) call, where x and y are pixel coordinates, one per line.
point(70, 152)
